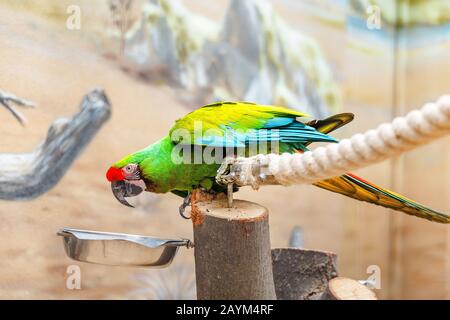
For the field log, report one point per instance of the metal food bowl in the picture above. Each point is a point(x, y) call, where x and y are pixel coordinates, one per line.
point(119, 249)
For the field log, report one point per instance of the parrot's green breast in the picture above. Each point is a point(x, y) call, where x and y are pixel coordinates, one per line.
point(163, 166)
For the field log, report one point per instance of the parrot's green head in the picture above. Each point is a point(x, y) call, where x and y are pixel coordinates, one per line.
point(141, 171)
point(126, 179)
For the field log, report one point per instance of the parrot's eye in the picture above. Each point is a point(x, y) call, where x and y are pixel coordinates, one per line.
point(131, 171)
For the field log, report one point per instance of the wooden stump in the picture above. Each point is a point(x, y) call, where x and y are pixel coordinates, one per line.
point(347, 289)
point(302, 274)
point(232, 251)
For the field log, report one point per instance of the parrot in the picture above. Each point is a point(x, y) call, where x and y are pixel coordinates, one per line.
point(235, 128)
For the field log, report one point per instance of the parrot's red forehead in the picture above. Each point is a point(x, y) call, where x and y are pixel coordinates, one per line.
point(114, 174)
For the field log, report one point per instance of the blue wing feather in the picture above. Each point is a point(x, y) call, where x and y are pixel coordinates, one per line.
point(278, 122)
point(282, 129)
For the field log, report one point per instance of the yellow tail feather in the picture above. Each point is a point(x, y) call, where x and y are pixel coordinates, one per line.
point(357, 188)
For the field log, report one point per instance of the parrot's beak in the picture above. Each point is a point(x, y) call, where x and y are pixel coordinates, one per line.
point(124, 188)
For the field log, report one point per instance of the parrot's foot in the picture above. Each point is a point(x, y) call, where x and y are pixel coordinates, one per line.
point(225, 175)
point(182, 209)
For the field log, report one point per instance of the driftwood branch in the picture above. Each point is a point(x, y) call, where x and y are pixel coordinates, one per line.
point(7, 99)
point(302, 274)
point(27, 176)
point(232, 251)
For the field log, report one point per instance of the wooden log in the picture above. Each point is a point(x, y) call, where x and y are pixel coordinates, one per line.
point(28, 175)
point(232, 251)
point(347, 289)
point(301, 274)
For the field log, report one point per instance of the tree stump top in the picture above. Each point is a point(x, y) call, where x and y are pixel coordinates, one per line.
point(241, 210)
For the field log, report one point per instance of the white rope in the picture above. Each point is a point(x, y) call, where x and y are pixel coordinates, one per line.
point(417, 128)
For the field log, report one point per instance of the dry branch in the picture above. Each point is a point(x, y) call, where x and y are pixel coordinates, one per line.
point(7, 99)
point(29, 175)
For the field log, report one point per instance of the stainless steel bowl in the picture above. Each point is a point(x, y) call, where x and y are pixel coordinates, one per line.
point(119, 249)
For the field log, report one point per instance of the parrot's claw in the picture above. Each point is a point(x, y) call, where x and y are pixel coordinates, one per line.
point(186, 203)
point(225, 176)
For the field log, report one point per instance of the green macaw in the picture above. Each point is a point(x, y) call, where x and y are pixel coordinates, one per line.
point(177, 162)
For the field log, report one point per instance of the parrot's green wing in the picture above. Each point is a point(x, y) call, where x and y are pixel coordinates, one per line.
point(238, 124)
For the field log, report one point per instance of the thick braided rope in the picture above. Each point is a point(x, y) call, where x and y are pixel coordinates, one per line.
point(417, 128)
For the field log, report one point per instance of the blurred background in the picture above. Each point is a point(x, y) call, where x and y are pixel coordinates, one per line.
point(158, 60)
